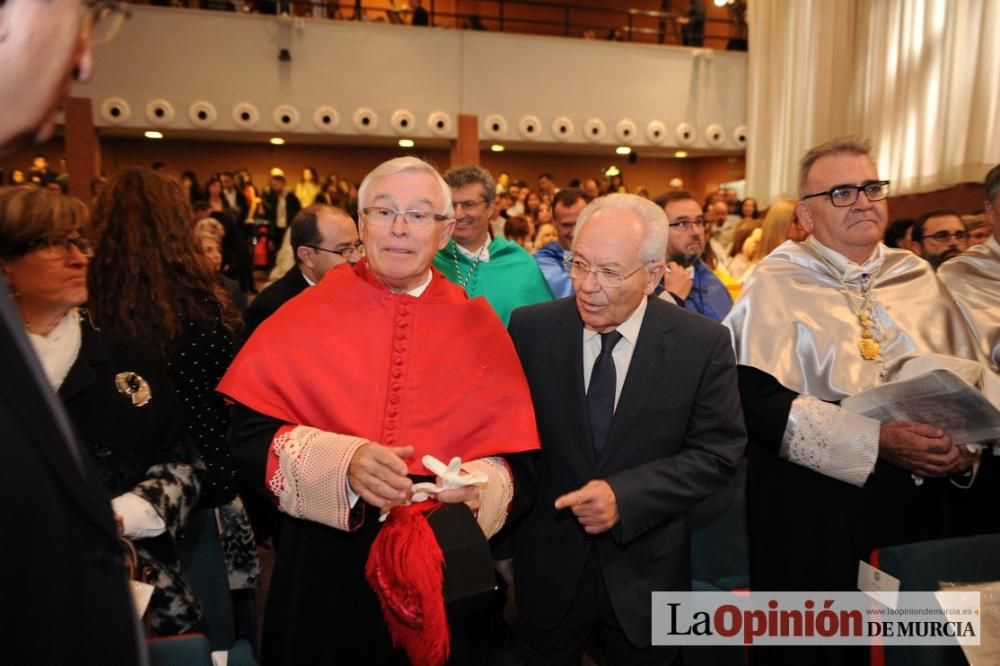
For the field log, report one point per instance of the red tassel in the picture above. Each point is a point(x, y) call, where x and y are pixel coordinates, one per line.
point(406, 570)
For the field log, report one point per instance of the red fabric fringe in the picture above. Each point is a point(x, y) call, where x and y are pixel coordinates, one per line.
point(406, 569)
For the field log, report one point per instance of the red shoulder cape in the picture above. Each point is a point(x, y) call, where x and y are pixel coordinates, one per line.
point(437, 372)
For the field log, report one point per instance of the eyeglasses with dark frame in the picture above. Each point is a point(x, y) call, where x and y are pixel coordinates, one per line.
point(980, 235)
point(57, 248)
point(842, 196)
point(606, 277)
point(356, 249)
point(686, 223)
point(415, 218)
point(945, 236)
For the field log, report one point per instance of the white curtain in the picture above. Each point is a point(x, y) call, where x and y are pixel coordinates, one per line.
point(919, 78)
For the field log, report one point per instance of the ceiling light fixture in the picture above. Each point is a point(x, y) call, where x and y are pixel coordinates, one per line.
point(277, 141)
point(153, 134)
point(406, 143)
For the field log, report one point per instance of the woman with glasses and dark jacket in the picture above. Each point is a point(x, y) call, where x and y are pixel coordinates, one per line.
point(115, 390)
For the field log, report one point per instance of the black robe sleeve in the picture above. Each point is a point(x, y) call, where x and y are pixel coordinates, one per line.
point(766, 405)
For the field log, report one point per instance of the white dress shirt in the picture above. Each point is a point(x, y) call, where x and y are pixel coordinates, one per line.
point(622, 354)
point(281, 214)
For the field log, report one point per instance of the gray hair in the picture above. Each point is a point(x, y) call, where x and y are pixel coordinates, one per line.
point(843, 145)
point(654, 221)
point(471, 174)
point(398, 165)
point(993, 184)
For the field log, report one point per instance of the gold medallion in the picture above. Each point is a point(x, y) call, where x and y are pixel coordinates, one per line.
point(869, 349)
point(134, 387)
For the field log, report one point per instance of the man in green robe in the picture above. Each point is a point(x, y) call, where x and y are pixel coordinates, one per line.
point(495, 268)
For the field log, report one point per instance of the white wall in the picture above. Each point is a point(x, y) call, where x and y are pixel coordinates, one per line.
point(186, 57)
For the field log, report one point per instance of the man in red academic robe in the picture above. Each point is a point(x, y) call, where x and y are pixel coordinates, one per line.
point(341, 393)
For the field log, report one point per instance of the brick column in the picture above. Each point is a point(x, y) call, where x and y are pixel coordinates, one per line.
point(465, 148)
point(83, 147)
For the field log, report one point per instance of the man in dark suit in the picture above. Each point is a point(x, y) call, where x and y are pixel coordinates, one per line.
point(62, 585)
point(237, 200)
point(280, 208)
point(639, 417)
point(322, 237)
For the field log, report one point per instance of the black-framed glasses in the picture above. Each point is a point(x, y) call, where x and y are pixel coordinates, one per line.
point(381, 215)
point(60, 248)
point(945, 236)
point(843, 196)
point(606, 277)
point(358, 249)
point(102, 20)
point(980, 235)
point(686, 223)
point(471, 204)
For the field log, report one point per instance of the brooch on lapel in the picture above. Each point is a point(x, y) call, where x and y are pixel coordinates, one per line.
point(135, 387)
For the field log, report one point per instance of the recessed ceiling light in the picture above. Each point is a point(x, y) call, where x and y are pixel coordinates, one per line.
point(406, 143)
point(153, 134)
point(680, 154)
point(622, 150)
point(277, 141)
point(498, 148)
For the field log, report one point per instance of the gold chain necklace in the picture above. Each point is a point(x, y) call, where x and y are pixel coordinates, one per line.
point(868, 344)
point(463, 281)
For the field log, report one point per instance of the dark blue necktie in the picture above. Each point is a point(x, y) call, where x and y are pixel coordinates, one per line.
point(601, 393)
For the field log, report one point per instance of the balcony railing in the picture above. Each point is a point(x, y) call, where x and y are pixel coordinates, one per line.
point(542, 17)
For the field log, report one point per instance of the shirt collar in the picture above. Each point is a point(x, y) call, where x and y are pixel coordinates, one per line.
point(849, 270)
point(628, 328)
point(306, 278)
point(483, 253)
point(418, 291)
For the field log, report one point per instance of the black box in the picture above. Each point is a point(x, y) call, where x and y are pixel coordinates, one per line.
point(469, 578)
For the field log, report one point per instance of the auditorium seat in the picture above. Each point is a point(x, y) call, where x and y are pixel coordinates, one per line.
point(924, 566)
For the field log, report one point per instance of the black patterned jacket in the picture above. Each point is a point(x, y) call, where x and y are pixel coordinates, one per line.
point(140, 448)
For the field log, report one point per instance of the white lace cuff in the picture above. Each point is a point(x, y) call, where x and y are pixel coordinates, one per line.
point(495, 496)
point(311, 480)
point(831, 440)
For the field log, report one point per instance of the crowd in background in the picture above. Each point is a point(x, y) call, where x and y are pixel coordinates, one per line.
point(248, 233)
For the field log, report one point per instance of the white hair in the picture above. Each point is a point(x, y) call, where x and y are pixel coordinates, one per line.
point(397, 165)
point(653, 246)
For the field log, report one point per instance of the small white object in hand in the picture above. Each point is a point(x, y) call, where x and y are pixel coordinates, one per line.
point(451, 477)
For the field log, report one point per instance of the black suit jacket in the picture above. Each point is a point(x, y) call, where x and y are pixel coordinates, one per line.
point(242, 208)
point(269, 300)
point(292, 207)
point(63, 597)
point(675, 437)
